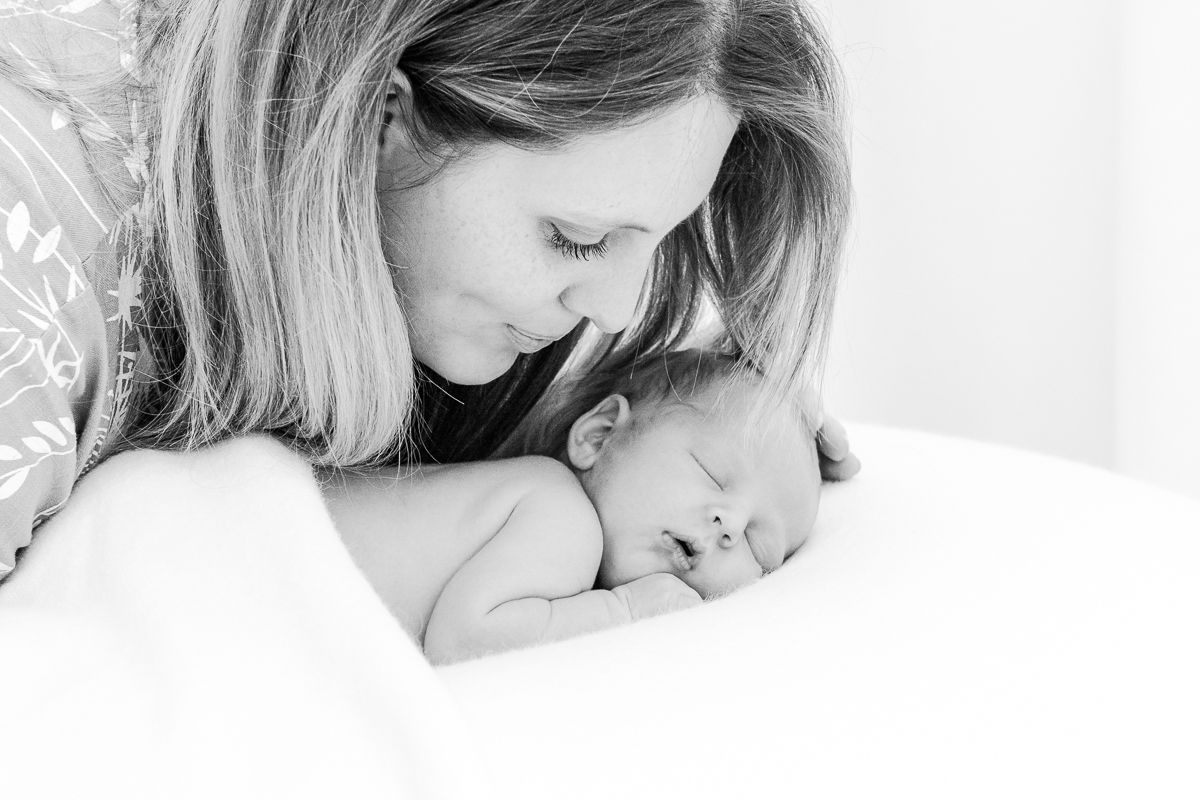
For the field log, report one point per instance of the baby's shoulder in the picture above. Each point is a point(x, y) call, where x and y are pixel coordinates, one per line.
point(541, 480)
point(541, 475)
point(551, 500)
point(538, 471)
point(509, 480)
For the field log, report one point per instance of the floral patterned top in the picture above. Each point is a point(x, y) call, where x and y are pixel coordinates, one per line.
point(68, 284)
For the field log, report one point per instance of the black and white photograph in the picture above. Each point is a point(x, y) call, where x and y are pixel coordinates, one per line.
point(594, 399)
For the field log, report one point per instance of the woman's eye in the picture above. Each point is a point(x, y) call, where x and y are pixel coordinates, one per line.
point(577, 250)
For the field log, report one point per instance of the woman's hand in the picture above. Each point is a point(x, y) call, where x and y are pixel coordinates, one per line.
point(833, 452)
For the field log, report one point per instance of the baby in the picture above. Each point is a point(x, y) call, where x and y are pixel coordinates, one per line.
point(664, 496)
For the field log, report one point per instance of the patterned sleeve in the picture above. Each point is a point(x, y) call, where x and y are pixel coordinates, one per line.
point(53, 353)
point(52, 363)
point(68, 286)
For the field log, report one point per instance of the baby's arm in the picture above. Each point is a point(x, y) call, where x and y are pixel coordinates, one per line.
point(532, 581)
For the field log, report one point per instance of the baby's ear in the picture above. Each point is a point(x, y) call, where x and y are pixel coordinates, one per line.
point(592, 430)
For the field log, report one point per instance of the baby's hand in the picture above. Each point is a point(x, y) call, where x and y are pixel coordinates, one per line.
point(656, 594)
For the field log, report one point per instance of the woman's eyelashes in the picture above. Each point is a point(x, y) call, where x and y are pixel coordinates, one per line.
point(577, 250)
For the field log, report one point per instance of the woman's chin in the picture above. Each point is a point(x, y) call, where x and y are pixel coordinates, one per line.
point(474, 371)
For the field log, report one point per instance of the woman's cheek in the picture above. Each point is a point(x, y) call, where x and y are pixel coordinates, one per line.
point(532, 285)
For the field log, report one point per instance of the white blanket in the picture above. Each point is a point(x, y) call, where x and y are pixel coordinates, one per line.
point(966, 621)
point(190, 626)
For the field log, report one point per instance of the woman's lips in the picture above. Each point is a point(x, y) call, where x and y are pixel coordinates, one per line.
point(527, 342)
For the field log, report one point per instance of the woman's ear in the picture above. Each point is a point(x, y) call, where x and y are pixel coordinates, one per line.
point(394, 138)
point(592, 430)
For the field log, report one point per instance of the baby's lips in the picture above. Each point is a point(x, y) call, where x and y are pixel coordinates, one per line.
point(676, 553)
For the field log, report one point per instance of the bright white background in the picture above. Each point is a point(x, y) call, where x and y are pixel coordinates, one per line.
point(1025, 266)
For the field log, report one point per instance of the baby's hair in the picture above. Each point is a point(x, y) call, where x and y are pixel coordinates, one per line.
point(677, 376)
point(667, 379)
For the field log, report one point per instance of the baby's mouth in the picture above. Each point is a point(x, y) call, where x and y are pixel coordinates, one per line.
point(680, 550)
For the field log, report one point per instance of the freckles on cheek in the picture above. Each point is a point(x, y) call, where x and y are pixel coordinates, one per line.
point(478, 245)
point(521, 278)
point(489, 248)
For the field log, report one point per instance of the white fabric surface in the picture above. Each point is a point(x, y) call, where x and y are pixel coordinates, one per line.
point(191, 627)
point(966, 621)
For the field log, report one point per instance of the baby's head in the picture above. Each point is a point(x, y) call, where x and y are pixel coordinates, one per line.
point(684, 483)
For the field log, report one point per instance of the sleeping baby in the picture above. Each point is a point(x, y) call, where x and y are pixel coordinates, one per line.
point(664, 494)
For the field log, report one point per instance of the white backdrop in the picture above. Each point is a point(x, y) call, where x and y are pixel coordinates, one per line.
point(1025, 266)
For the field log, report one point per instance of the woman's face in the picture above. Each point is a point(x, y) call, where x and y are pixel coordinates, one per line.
point(505, 250)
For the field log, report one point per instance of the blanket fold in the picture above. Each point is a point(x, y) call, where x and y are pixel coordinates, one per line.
point(191, 626)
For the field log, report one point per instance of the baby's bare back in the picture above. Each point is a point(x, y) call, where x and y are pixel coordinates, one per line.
point(410, 530)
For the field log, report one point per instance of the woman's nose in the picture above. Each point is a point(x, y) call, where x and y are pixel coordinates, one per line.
point(609, 297)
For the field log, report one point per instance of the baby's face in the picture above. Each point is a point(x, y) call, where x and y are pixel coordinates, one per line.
point(691, 490)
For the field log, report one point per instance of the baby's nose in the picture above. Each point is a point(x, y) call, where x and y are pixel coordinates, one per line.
point(726, 528)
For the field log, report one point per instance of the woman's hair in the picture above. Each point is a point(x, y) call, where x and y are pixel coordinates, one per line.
point(268, 304)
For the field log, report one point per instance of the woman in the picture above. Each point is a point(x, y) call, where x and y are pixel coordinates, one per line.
point(374, 228)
